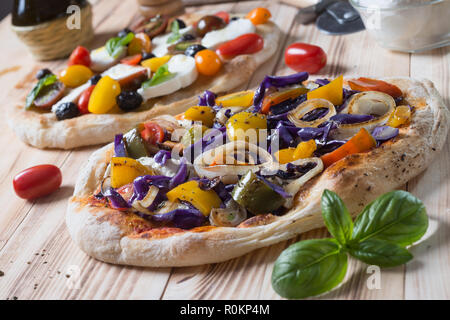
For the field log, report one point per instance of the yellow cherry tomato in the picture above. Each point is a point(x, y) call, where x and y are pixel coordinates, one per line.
point(203, 200)
point(201, 113)
point(305, 149)
point(154, 63)
point(75, 75)
point(239, 99)
point(332, 92)
point(400, 116)
point(207, 62)
point(259, 15)
point(124, 170)
point(245, 126)
point(141, 43)
point(103, 97)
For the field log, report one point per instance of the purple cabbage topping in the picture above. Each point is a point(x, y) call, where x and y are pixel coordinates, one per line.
point(115, 199)
point(384, 133)
point(322, 82)
point(119, 146)
point(278, 82)
point(207, 99)
point(278, 189)
point(181, 218)
point(315, 114)
point(327, 147)
point(180, 176)
point(142, 184)
point(346, 118)
point(194, 150)
point(287, 105)
point(162, 156)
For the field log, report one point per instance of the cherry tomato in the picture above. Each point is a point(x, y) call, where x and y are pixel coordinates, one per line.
point(223, 15)
point(367, 84)
point(37, 181)
point(305, 57)
point(132, 60)
point(75, 75)
point(141, 43)
point(80, 55)
point(152, 133)
point(103, 97)
point(245, 44)
point(83, 100)
point(259, 15)
point(207, 62)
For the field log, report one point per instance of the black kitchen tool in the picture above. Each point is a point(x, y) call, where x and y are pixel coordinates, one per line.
point(339, 18)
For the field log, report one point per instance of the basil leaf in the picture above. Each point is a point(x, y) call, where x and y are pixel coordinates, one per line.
point(175, 29)
point(397, 216)
point(161, 75)
point(336, 217)
point(381, 253)
point(115, 45)
point(46, 81)
point(308, 268)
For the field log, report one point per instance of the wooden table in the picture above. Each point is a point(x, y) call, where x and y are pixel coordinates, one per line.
point(40, 261)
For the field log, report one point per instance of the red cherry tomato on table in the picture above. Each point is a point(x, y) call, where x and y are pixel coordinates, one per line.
point(83, 100)
point(223, 15)
point(80, 55)
point(37, 181)
point(246, 44)
point(305, 57)
point(152, 133)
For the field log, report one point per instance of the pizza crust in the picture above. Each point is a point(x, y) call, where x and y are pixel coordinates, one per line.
point(43, 130)
point(358, 179)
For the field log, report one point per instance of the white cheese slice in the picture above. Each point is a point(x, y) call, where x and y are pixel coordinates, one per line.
point(185, 74)
point(101, 60)
point(233, 30)
point(160, 44)
point(117, 72)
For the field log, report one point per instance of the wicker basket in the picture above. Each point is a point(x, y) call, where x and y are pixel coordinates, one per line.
point(52, 39)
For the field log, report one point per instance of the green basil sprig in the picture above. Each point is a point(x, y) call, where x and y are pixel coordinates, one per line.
point(175, 29)
point(161, 75)
point(378, 237)
point(48, 80)
point(115, 45)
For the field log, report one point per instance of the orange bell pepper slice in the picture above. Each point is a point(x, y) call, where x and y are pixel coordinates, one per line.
point(360, 142)
point(332, 92)
point(367, 84)
point(280, 96)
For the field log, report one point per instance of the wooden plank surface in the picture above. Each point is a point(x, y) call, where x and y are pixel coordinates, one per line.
point(40, 261)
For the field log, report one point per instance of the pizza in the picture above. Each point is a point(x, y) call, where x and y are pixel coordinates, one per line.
point(158, 67)
point(245, 170)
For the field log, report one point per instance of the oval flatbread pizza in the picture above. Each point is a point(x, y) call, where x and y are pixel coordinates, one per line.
point(139, 75)
point(175, 197)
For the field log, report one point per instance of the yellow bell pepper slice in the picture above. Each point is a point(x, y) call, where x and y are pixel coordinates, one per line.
point(399, 116)
point(154, 63)
point(245, 125)
point(332, 92)
point(304, 149)
point(124, 170)
point(200, 113)
point(238, 99)
point(203, 200)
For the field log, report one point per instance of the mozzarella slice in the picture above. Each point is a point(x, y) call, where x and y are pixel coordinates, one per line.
point(233, 30)
point(185, 74)
point(101, 60)
point(160, 44)
point(118, 72)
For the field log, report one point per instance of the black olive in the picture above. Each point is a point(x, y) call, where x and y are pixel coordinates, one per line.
point(124, 32)
point(187, 37)
point(129, 100)
point(42, 73)
point(181, 23)
point(147, 55)
point(192, 50)
point(234, 18)
point(67, 110)
point(95, 79)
